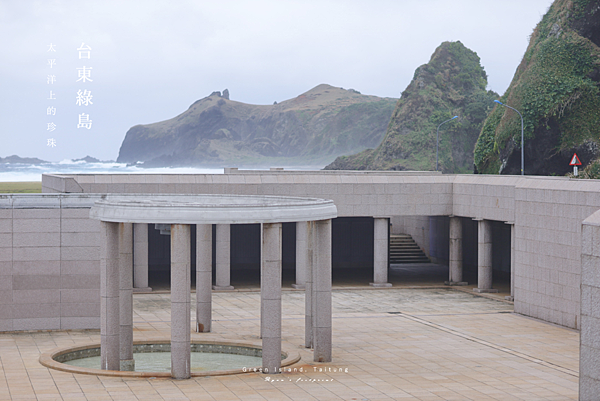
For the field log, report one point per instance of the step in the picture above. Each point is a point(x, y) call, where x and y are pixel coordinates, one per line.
point(404, 249)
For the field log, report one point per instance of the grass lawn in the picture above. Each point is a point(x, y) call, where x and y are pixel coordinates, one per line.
point(29, 187)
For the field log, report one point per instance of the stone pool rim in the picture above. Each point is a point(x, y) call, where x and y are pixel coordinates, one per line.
point(47, 360)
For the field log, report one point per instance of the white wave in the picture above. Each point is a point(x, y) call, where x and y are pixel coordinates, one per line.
point(69, 161)
point(20, 176)
point(31, 172)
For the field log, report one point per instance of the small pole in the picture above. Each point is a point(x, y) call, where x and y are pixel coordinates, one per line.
point(575, 171)
point(437, 143)
point(522, 136)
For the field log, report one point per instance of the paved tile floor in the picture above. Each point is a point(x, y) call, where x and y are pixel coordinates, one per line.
point(389, 344)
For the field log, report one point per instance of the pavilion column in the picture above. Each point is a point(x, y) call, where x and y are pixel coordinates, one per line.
point(270, 298)
point(127, 362)
point(203, 277)
point(484, 257)
point(321, 292)
point(301, 254)
point(140, 256)
point(180, 301)
point(381, 252)
point(308, 290)
point(223, 255)
point(109, 293)
point(262, 274)
point(512, 261)
point(456, 257)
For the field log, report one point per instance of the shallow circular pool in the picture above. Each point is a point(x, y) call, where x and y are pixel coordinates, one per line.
point(161, 361)
point(154, 359)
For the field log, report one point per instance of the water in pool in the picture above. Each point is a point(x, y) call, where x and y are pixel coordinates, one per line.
point(161, 361)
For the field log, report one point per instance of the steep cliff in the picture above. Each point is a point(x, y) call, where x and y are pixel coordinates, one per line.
point(556, 89)
point(452, 83)
point(311, 129)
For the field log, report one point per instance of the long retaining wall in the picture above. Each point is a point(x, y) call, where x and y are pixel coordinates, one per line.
point(49, 259)
point(589, 349)
point(49, 263)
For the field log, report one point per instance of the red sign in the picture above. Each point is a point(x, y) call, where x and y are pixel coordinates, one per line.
point(575, 160)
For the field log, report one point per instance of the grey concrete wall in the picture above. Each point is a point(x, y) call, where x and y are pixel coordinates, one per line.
point(354, 193)
point(49, 263)
point(589, 350)
point(490, 197)
point(548, 217)
point(60, 184)
point(6, 284)
point(547, 213)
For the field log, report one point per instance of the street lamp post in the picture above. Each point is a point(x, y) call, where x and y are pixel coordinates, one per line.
point(437, 145)
point(522, 140)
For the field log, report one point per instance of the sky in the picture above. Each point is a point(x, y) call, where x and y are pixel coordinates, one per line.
point(148, 61)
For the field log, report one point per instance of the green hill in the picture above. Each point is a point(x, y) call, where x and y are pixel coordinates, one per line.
point(452, 83)
point(311, 129)
point(556, 90)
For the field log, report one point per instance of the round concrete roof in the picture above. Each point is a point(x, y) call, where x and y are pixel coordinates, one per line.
point(210, 209)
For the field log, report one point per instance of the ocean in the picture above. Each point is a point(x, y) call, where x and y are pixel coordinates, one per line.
point(15, 172)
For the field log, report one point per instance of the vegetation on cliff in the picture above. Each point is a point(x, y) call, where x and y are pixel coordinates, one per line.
point(556, 89)
point(311, 129)
point(452, 83)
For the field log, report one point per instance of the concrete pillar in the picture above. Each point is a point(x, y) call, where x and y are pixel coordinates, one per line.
point(456, 258)
point(308, 284)
point(270, 298)
point(321, 293)
point(109, 293)
point(512, 261)
point(262, 274)
point(223, 262)
point(140, 257)
point(127, 362)
point(484, 257)
point(381, 252)
point(180, 301)
point(301, 254)
point(203, 277)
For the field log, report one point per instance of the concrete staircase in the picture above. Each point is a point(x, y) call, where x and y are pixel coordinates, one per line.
point(404, 249)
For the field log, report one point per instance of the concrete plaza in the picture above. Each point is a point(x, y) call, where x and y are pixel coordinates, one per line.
point(418, 340)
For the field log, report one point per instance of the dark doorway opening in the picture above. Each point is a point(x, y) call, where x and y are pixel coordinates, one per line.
point(501, 253)
point(352, 250)
point(244, 255)
point(352, 253)
point(159, 258)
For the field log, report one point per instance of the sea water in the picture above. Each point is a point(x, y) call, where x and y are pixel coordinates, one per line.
point(16, 172)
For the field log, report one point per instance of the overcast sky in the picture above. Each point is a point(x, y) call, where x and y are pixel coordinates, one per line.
point(150, 60)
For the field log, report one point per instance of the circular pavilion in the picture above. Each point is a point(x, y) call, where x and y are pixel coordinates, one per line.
point(117, 215)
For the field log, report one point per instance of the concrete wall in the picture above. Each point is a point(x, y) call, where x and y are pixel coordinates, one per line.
point(356, 194)
point(548, 217)
point(589, 350)
point(547, 213)
point(490, 197)
point(49, 263)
